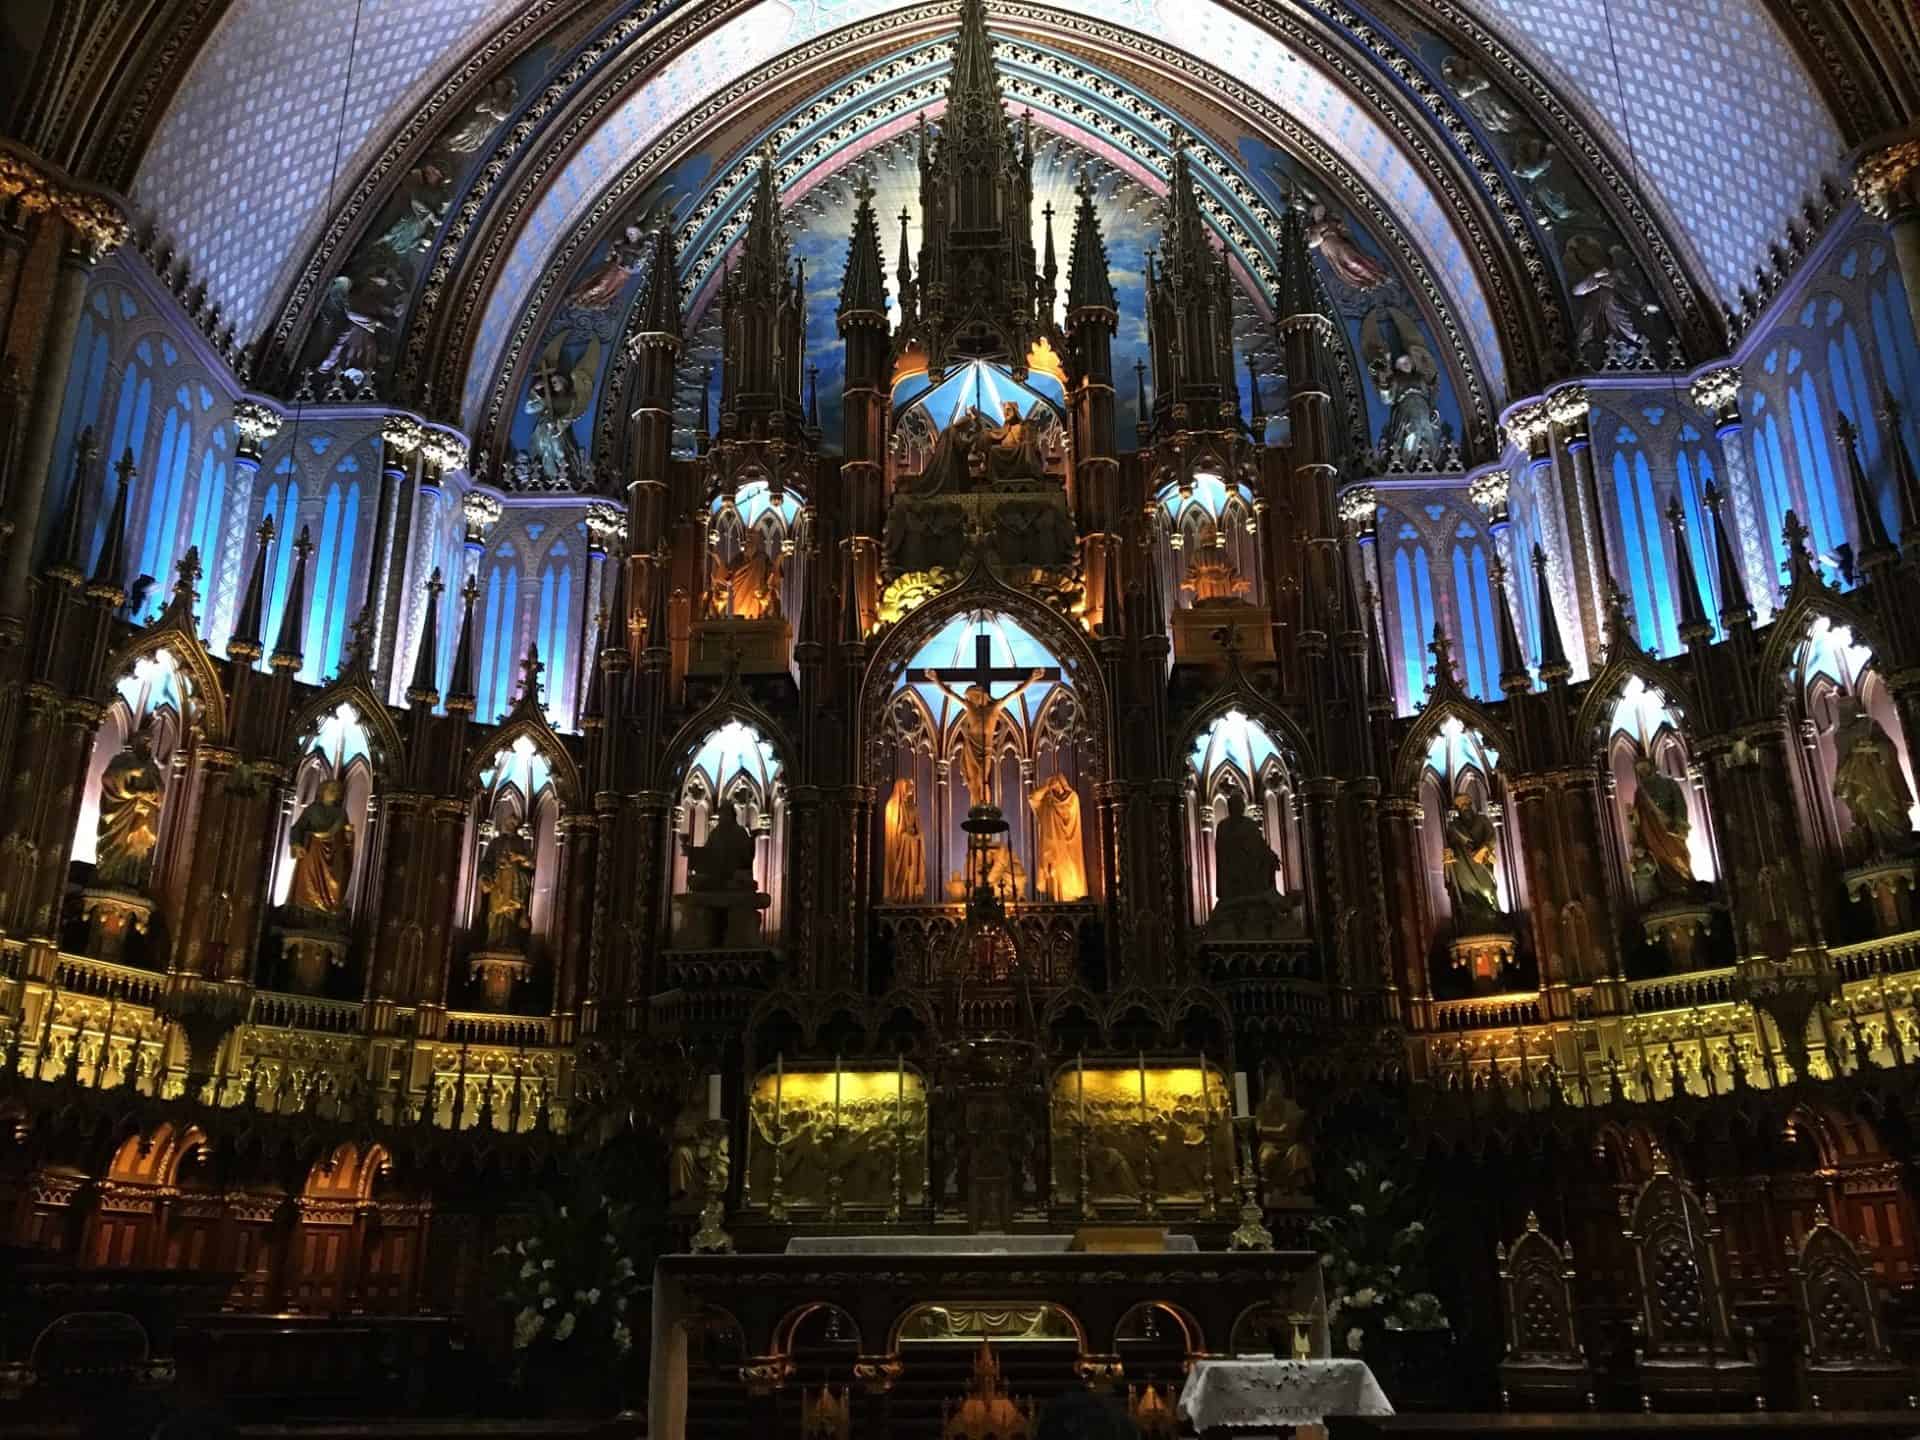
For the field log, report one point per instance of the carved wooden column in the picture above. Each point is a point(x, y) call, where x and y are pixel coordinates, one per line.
point(236, 815)
point(1574, 932)
point(1567, 413)
point(445, 833)
point(1411, 931)
point(1717, 392)
point(575, 842)
point(645, 922)
point(1774, 911)
point(1326, 887)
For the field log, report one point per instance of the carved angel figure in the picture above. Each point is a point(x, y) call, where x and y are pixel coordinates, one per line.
point(556, 399)
point(488, 112)
point(1473, 89)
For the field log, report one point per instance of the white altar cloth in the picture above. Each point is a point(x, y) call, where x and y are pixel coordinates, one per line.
point(1273, 1394)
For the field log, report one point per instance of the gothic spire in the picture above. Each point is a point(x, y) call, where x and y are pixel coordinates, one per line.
point(245, 643)
point(69, 546)
point(1553, 650)
point(1514, 676)
point(1089, 279)
point(1735, 607)
point(288, 652)
point(1693, 615)
point(1446, 676)
point(1050, 262)
point(460, 695)
point(1874, 544)
point(109, 579)
point(1906, 481)
point(905, 272)
point(1379, 688)
point(863, 290)
point(424, 691)
point(1299, 292)
point(531, 667)
point(976, 121)
point(764, 255)
point(1186, 242)
point(660, 301)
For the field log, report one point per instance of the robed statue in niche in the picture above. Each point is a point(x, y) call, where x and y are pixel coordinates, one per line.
point(906, 875)
point(322, 846)
point(1868, 780)
point(749, 588)
point(1471, 858)
point(979, 727)
point(1247, 904)
point(131, 790)
point(1661, 822)
point(1060, 862)
point(1012, 447)
point(506, 879)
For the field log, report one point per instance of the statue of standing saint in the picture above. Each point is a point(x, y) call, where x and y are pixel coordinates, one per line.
point(1247, 904)
point(979, 726)
point(1660, 822)
point(506, 879)
point(1868, 780)
point(1470, 857)
point(322, 845)
point(906, 877)
point(131, 790)
point(1059, 851)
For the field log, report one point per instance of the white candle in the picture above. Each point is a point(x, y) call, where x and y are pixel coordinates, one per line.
point(713, 1097)
point(1240, 1107)
point(836, 1092)
point(1080, 1076)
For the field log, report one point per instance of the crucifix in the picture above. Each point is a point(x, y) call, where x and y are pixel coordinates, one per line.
point(979, 720)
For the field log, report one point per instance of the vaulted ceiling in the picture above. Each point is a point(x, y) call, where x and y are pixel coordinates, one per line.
point(1485, 150)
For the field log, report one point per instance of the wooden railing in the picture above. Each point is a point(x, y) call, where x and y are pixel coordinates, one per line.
point(480, 1027)
point(1682, 992)
point(1488, 1012)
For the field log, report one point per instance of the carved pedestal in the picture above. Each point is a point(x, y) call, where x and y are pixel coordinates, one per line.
point(498, 972)
point(1677, 927)
point(762, 646)
point(309, 954)
point(1197, 633)
point(110, 913)
point(1888, 885)
point(719, 919)
point(1257, 917)
point(1486, 960)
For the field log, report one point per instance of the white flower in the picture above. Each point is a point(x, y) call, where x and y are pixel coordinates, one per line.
point(521, 1248)
point(1364, 1297)
point(1393, 1323)
point(1354, 1338)
point(565, 1327)
point(546, 1264)
point(620, 1305)
point(548, 1303)
point(622, 1339)
point(1385, 1186)
point(1414, 1229)
point(526, 1271)
point(526, 1325)
point(1354, 1209)
point(593, 1296)
point(563, 1212)
point(623, 1269)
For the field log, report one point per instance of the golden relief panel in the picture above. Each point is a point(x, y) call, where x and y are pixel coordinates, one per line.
point(972, 1321)
point(1148, 1129)
point(842, 1124)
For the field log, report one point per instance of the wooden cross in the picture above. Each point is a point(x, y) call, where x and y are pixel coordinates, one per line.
point(984, 672)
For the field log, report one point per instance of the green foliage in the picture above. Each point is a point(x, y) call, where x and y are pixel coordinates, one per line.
point(1373, 1245)
point(574, 1284)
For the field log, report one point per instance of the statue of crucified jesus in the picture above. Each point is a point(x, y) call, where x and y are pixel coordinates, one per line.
point(979, 724)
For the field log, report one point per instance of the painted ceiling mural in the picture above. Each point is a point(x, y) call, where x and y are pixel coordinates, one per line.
point(1704, 102)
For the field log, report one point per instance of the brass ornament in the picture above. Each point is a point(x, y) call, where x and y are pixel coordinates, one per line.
point(1884, 178)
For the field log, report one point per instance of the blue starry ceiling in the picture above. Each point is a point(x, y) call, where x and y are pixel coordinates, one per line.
point(1705, 100)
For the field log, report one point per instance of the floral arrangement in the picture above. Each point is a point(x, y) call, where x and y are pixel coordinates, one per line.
point(1373, 1249)
point(572, 1286)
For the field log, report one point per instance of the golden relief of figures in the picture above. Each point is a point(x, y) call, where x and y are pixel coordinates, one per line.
point(1183, 1125)
point(749, 588)
point(131, 790)
point(906, 871)
point(322, 846)
point(506, 879)
point(1060, 863)
point(825, 1124)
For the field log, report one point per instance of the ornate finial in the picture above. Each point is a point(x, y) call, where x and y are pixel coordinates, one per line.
point(187, 579)
point(531, 669)
point(1441, 648)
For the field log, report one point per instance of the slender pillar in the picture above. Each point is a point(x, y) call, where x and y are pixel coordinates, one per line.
point(1717, 393)
point(1566, 413)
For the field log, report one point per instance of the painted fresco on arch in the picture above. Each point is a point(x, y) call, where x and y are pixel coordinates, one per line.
point(1616, 320)
point(549, 439)
point(363, 309)
point(1411, 403)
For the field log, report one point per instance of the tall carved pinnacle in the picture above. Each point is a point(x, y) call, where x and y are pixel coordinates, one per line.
point(531, 667)
point(1446, 675)
point(975, 116)
point(1299, 294)
point(1554, 667)
point(1799, 558)
point(1874, 544)
point(288, 651)
point(1735, 607)
point(1050, 262)
point(1694, 624)
point(763, 263)
point(69, 546)
point(863, 290)
point(1089, 273)
point(245, 642)
point(460, 693)
point(423, 691)
point(1187, 243)
point(660, 301)
point(905, 272)
point(1379, 687)
point(1906, 480)
point(109, 581)
point(1514, 676)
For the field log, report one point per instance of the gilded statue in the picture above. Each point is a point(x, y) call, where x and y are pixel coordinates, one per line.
point(1012, 447)
point(1286, 1156)
point(1660, 821)
point(131, 790)
point(1868, 780)
point(1212, 579)
point(506, 879)
point(725, 861)
point(979, 727)
point(906, 874)
point(322, 846)
point(1470, 858)
point(1060, 861)
point(749, 588)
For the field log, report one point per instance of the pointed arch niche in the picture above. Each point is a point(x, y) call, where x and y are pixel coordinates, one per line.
point(1237, 754)
point(753, 510)
point(1833, 669)
point(338, 747)
point(1039, 735)
point(1461, 760)
point(736, 765)
point(155, 695)
point(1646, 726)
point(1207, 543)
point(519, 786)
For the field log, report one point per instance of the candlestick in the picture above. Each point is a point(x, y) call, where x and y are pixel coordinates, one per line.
point(1241, 1110)
point(712, 1238)
point(713, 1097)
point(1210, 1204)
point(1252, 1233)
point(837, 1154)
point(776, 1196)
point(1080, 1079)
